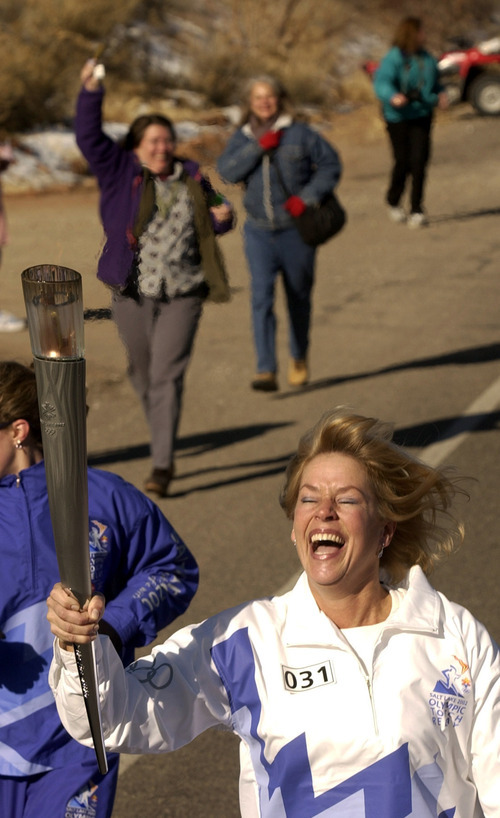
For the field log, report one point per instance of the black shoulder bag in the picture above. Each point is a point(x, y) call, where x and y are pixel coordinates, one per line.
point(318, 223)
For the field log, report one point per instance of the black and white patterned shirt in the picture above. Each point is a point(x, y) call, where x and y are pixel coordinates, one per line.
point(169, 256)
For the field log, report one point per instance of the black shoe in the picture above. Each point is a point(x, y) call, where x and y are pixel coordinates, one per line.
point(158, 481)
point(265, 382)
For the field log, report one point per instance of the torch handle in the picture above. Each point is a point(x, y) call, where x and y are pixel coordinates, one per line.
point(85, 662)
point(63, 421)
point(62, 404)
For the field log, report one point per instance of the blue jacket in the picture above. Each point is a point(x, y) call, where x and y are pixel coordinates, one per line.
point(309, 165)
point(121, 182)
point(400, 73)
point(138, 562)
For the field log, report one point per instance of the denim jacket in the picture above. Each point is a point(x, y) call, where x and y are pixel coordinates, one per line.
point(309, 165)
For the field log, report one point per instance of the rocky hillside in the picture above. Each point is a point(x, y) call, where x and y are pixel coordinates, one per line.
point(197, 52)
point(188, 58)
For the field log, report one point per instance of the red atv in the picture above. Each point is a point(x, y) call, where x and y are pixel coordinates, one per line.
point(473, 75)
point(469, 75)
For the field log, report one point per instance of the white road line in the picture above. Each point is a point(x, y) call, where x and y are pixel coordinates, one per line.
point(434, 455)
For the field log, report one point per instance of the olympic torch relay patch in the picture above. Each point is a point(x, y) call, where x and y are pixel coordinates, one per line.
point(448, 700)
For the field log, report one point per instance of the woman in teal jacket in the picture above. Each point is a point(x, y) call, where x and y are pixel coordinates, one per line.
point(407, 84)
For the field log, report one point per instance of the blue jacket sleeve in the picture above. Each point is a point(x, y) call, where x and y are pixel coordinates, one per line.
point(326, 168)
point(240, 157)
point(139, 562)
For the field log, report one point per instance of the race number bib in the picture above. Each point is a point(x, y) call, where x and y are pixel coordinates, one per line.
point(296, 680)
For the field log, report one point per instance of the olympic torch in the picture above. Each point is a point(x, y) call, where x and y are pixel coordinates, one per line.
point(54, 308)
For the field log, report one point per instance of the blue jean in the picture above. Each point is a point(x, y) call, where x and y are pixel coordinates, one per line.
point(269, 253)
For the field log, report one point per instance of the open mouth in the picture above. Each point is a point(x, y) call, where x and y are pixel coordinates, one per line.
point(323, 542)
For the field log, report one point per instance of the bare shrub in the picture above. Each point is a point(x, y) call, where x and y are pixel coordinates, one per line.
point(444, 21)
point(221, 42)
point(300, 41)
point(43, 45)
point(291, 39)
point(357, 88)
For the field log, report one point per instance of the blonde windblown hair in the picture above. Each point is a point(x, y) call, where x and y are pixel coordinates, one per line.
point(417, 497)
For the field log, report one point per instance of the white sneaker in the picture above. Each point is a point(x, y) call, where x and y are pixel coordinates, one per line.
point(397, 214)
point(416, 220)
point(9, 322)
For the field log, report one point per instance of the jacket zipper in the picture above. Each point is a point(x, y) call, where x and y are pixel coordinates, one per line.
point(32, 553)
point(372, 703)
point(368, 682)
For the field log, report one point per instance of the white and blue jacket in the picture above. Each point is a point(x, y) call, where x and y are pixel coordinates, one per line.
point(414, 734)
point(138, 562)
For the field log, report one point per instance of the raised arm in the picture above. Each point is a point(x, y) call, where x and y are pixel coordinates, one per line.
point(104, 155)
point(240, 157)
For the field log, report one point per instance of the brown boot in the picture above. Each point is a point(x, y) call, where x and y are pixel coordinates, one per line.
point(265, 382)
point(298, 373)
point(158, 481)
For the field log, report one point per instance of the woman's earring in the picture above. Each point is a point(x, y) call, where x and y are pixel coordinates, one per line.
point(383, 543)
point(294, 543)
point(18, 444)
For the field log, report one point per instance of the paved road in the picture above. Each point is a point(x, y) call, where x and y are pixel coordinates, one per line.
point(405, 328)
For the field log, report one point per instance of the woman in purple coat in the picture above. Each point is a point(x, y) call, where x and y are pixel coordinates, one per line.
point(161, 258)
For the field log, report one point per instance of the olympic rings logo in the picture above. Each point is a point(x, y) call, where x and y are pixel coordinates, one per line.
point(147, 675)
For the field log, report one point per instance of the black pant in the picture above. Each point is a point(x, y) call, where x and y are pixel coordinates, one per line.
point(411, 142)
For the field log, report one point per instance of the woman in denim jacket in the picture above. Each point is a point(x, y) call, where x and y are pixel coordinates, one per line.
point(310, 168)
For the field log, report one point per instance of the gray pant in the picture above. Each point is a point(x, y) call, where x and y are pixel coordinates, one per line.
point(158, 338)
